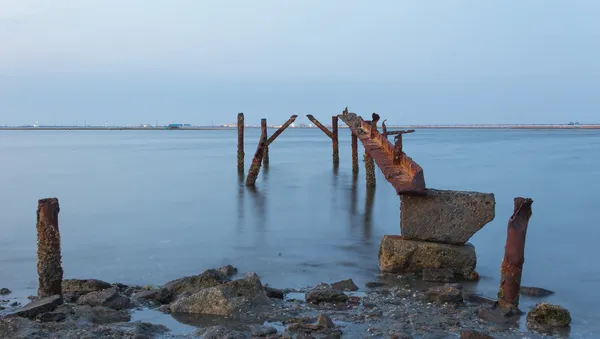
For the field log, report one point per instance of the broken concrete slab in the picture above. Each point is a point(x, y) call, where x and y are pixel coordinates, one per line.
point(444, 216)
point(400, 255)
point(39, 306)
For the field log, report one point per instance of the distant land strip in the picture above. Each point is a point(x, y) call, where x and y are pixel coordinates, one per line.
point(210, 128)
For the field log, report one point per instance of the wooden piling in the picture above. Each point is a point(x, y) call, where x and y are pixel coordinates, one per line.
point(258, 155)
point(263, 129)
point(240, 150)
point(354, 153)
point(514, 255)
point(49, 265)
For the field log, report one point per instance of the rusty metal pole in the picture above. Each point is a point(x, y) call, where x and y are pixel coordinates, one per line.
point(240, 151)
point(514, 255)
point(334, 141)
point(258, 156)
point(354, 153)
point(281, 129)
point(49, 265)
point(263, 129)
point(369, 162)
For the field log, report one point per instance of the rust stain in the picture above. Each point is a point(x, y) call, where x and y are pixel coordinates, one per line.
point(405, 174)
point(514, 254)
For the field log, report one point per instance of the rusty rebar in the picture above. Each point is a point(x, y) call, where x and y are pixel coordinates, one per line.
point(400, 132)
point(334, 141)
point(319, 125)
point(240, 149)
point(514, 255)
point(354, 153)
point(49, 265)
point(263, 129)
point(384, 129)
point(258, 156)
point(281, 129)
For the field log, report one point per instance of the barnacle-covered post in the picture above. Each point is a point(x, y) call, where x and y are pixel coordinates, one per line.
point(334, 139)
point(514, 255)
point(240, 149)
point(49, 265)
point(263, 129)
point(258, 156)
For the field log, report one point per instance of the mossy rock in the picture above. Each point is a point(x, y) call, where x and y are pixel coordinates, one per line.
point(549, 315)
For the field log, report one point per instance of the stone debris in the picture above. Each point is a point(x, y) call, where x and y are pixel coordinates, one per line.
point(109, 297)
point(325, 293)
point(448, 293)
point(548, 315)
point(399, 255)
point(449, 217)
point(39, 306)
point(4, 291)
point(345, 285)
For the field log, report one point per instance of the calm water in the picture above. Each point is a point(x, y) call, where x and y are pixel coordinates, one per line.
point(145, 207)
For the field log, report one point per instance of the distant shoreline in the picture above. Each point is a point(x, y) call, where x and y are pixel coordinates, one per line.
point(219, 128)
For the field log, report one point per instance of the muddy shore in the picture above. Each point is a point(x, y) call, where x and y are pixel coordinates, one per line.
point(224, 304)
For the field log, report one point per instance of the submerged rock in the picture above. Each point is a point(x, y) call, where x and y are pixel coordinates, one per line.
point(399, 255)
point(450, 217)
point(535, 291)
point(548, 315)
point(438, 274)
point(449, 293)
point(345, 285)
point(262, 331)
point(325, 293)
point(39, 306)
point(100, 314)
point(221, 332)
point(108, 298)
point(238, 296)
point(192, 284)
point(4, 291)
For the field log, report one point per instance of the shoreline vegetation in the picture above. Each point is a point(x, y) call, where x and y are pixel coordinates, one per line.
point(226, 128)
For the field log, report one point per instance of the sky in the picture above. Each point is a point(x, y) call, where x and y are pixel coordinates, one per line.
point(201, 62)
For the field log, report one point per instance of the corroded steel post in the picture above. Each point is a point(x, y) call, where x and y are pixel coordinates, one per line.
point(281, 129)
point(240, 151)
point(334, 140)
point(49, 265)
point(514, 255)
point(319, 125)
point(258, 156)
point(354, 153)
point(384, 129)
point(400, 132)
point(370, 170)
point(263, 129)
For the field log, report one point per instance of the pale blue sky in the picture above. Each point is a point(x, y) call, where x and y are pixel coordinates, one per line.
point(445, 61)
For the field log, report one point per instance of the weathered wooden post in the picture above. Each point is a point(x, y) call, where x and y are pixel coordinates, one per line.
point(514, 255)
point(258, 155)
point(240, 151)
point(263, 129)
point(334, 139)
point(49, 265)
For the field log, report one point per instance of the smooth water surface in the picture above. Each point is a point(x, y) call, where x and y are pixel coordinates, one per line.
point(145, 207)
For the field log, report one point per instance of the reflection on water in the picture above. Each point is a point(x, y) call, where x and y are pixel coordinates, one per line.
point(367, 224)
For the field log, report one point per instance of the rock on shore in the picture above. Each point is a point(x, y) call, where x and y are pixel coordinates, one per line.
point(399, 255)
point(450, 217)
point(230, 298)
point(546, 315)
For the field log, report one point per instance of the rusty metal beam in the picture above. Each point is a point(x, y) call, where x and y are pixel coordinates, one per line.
point(354, 153)
point(406, 176)
point(281, 129)
point(400, 132)
point(258, 156)
point(334, 140)
point(384, 129)
point(49, 265)
point(240, 149)
point(263, 129)
point(514, 255)
point(319, 125)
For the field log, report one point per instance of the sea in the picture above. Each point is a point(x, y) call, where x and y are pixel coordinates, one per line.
point(146, 207)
